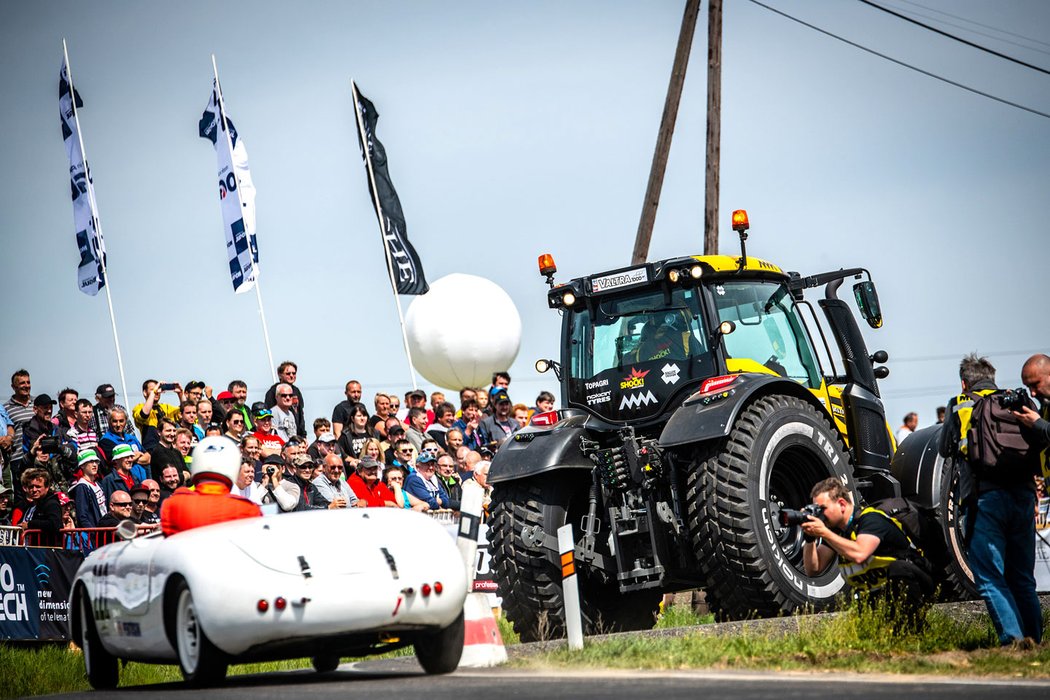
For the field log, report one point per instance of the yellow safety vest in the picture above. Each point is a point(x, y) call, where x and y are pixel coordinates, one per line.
point(870, 574)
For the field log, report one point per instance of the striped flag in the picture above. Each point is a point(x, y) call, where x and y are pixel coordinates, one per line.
point(406, 267)
point(91, 270)
point(236, 193)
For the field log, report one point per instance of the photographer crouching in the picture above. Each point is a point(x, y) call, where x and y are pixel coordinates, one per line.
point(874, 553)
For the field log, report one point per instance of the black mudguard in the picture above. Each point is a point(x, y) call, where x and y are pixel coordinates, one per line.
point(917, 466)
point(710, 416)
point(534, 450)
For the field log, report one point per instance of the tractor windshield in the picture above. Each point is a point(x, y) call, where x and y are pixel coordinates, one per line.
point(768, 329)
point(633, 352)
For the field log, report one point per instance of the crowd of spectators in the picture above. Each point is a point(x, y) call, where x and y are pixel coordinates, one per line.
point(74, 462)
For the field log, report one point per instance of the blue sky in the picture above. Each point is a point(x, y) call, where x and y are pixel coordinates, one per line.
point(512, 129)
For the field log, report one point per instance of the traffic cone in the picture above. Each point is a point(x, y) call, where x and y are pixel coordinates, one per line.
point(482, 642)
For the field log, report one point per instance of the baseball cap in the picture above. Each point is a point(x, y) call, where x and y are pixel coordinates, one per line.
point(303, 461)
point(195, 384)
point(105, 390)
point(263, 413)
point(276, 460)
point(44, 400)
point(139, 488)
point(425, 458)
point(4, 490)
point(368, 463)
point(87, 456)
point(63, 499)
point(224, 396)
point(397, 428)
point(498, 394)
point(121, 451)
point(326, 437)
point(418, 393)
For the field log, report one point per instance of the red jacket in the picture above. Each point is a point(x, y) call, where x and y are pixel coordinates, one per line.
point(377, 496)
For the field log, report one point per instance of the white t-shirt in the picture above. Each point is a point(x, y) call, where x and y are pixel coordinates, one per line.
point(283, 423)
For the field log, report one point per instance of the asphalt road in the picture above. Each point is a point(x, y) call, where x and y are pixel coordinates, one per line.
point(402, 678)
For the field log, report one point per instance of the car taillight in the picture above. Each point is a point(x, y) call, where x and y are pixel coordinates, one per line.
point(262, 605)
point(717, 383)
point(425, 590)
point(438, 588)
point(280, 603)
point(544, 420)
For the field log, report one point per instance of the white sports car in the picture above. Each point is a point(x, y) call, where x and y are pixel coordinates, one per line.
point(323, 584)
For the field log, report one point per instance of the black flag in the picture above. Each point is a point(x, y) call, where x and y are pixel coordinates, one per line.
point(407, 269)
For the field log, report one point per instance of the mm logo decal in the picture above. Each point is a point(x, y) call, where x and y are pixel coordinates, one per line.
point(636, 400)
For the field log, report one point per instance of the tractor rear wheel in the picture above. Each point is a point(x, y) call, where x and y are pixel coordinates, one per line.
point(777, 450)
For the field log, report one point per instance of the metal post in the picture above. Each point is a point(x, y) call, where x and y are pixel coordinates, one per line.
point(570, 590)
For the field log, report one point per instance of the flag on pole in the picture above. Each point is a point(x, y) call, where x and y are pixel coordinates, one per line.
point(407, 268)
point(91, 270)
point(236, 193)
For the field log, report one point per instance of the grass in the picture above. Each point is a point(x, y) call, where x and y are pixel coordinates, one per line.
point(858, 640)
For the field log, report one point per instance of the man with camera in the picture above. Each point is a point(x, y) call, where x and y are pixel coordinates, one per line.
point(1035, 374)
point(873, 551)
point(998, 499)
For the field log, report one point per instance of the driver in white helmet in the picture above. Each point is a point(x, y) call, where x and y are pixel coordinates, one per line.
point(216, 461)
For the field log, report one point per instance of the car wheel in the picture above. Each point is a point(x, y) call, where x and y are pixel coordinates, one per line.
point(956, 577)
point(778, 448)
point(529, 575)
point(440, 651)
point(103, 669)
point(202, 663)
point(325, 663)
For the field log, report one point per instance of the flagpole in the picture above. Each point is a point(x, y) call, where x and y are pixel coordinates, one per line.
point(98, 225)
point(382, 230)
point(221, 119)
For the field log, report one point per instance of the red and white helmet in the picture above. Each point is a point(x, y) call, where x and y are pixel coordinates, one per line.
point(216, 457)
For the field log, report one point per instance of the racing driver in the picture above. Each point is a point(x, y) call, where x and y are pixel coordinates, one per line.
point(215, 463)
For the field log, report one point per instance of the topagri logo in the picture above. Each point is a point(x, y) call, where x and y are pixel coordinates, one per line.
point(13, 604)
point(634, 380)
point(670, 373)
point(636, 400)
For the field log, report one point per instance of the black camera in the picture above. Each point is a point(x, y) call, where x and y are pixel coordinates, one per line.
point(270, 471)
point(797, 517)
point(1013, 399)
point(54, 446)
point(167, 386)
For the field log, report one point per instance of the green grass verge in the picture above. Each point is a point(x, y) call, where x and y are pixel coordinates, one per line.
point(857, 640)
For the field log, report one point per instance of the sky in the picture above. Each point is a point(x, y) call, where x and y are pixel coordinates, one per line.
point(512, 129)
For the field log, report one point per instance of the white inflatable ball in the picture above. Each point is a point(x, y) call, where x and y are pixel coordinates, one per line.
point(462, 330)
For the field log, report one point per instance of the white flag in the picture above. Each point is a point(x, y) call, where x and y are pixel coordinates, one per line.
point(236, 194)
point(91, 271)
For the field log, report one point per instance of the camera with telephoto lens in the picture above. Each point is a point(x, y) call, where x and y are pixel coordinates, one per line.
point(64, 454)
point(1013, 399)
point(797, 517)
point(270, 471)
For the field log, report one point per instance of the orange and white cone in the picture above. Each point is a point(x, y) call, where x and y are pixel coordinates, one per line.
point(482, 642)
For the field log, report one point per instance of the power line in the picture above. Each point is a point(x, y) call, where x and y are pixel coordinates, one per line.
point(973, 44)
point(979, 24)
point(957, 356)
point(901, 63)
point(971, 30)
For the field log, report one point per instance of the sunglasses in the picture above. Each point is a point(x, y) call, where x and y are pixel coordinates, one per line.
point(284, 396)
point(140, 500)
point(120, 504)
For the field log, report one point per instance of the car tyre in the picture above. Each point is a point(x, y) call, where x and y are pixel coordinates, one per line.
point(440, 651)
point(529, 575)
point(103, 670)
point(201, 662)
point(325, 663)
point(778, 448)
point(956, 577)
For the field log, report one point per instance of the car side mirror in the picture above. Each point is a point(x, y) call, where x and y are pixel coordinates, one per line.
point(868, 303)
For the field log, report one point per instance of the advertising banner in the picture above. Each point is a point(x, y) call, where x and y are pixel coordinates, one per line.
point(34, 592)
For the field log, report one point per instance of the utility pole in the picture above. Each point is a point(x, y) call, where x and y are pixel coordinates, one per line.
point(663, 140)
point(714, 124)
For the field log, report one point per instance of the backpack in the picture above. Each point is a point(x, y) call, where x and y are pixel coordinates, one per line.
point(996, 448)
point(907, 516)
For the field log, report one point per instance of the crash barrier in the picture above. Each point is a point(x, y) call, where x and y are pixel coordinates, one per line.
point(10, 536)
point(79, 539)
point(34, 592)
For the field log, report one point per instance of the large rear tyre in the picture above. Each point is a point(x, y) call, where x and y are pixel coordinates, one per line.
point(440, 651)
point(778, 449)
point(201, 662)
point(956, 581)
point(103, 670)
point(529, 574)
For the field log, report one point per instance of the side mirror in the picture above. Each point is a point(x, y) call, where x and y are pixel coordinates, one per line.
point(868, 303)
point(127, 529)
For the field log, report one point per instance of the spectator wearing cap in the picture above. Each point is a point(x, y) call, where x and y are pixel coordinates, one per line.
point(394, 431)
point(40, 424)
point(44, 512)
point(269, 441)
point(286, 374)
point(416, 398)
point(139, 499)
point(121, 478)
point(325, 444)
point(275, 488)
point(301, 473)
point(331, 487)
point(368, 488)
point(105, 400)
point(424, 485)
point(469, 423)
point(495, 429)
point(285, 417)
point(88, 496)
point(417, 425)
